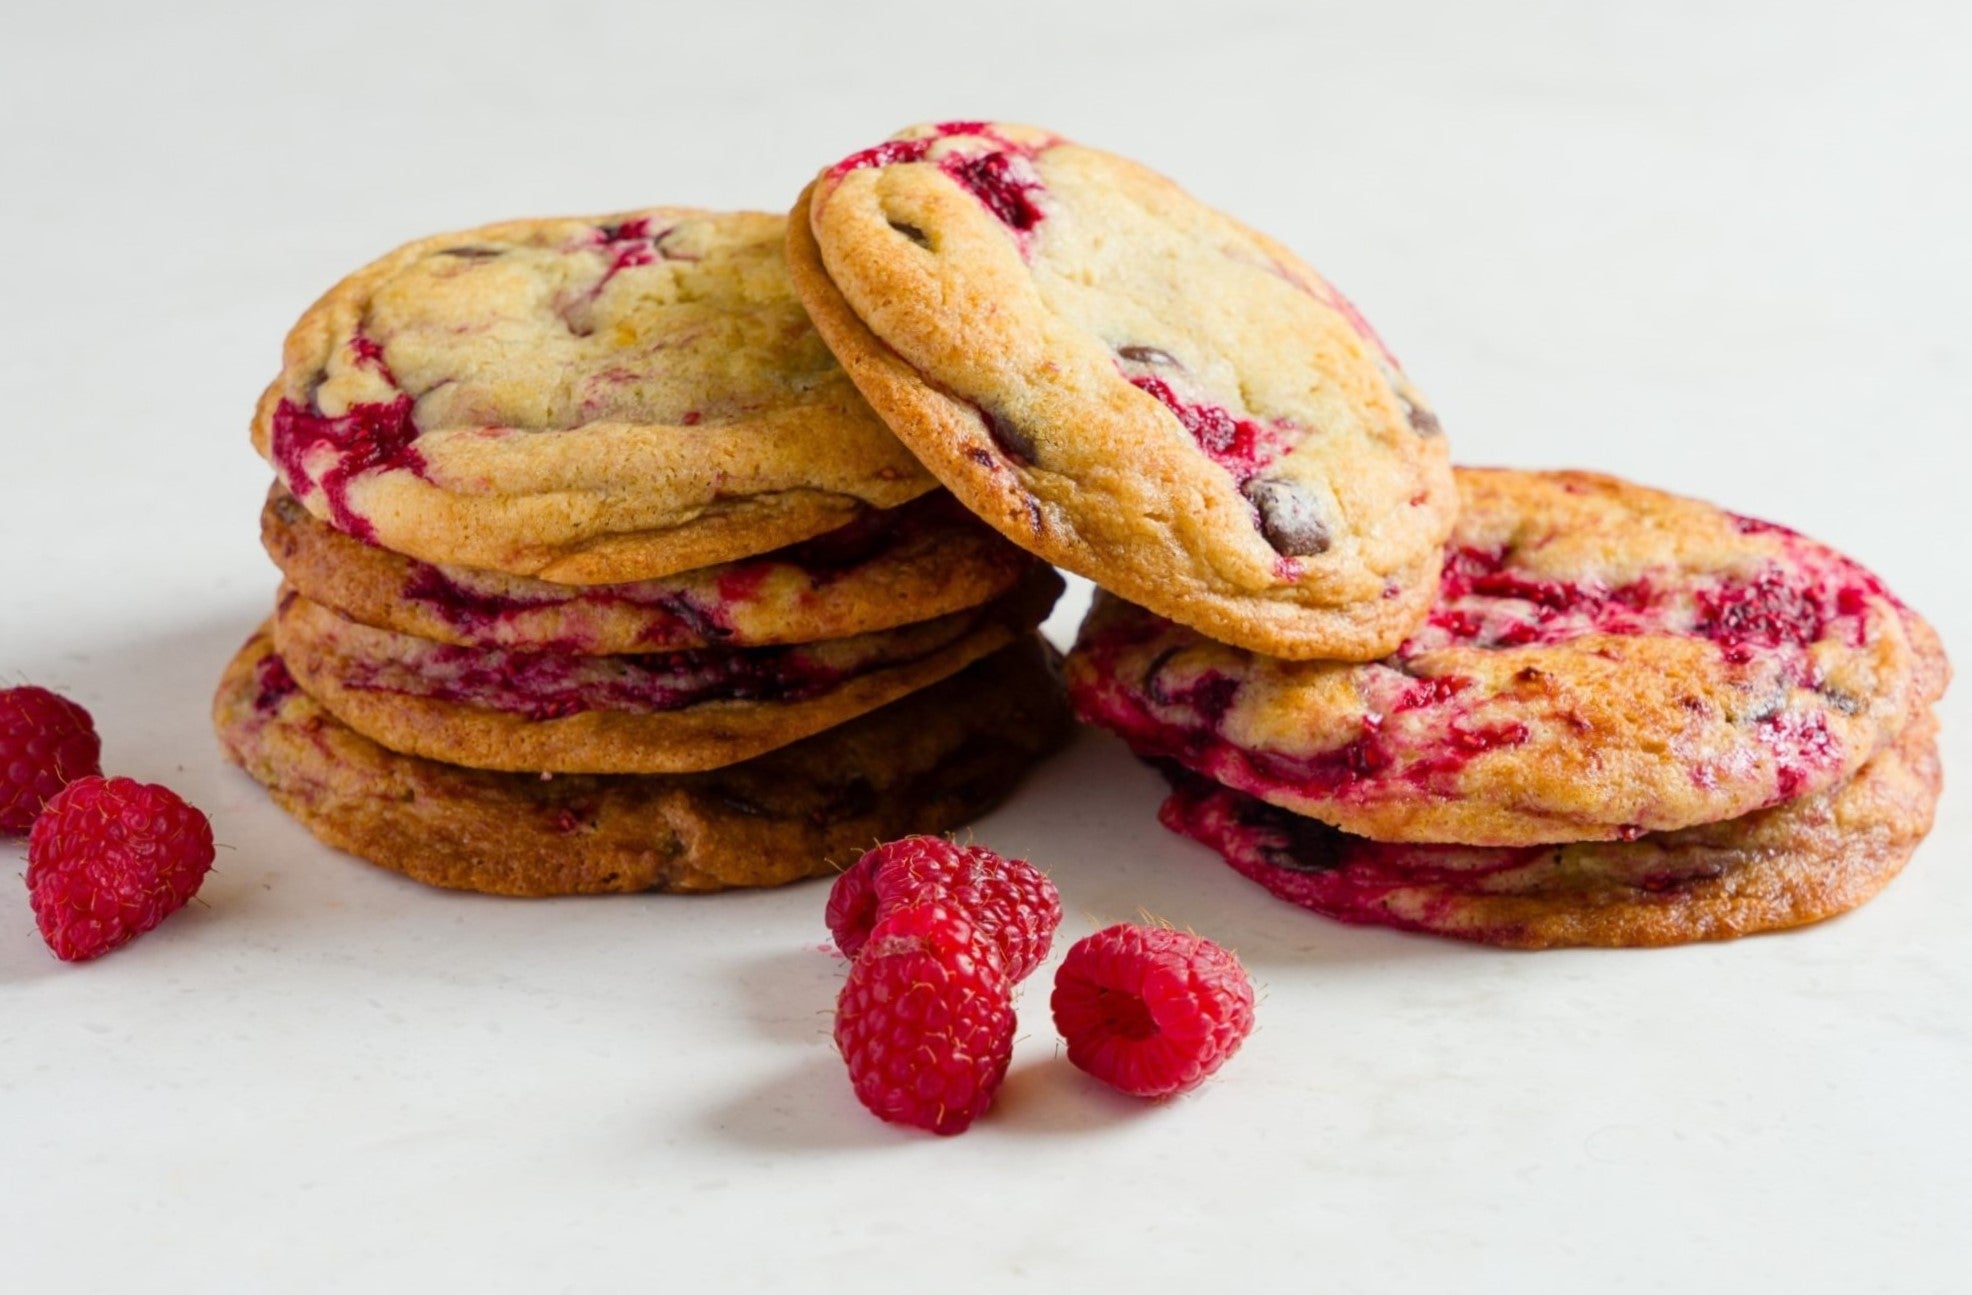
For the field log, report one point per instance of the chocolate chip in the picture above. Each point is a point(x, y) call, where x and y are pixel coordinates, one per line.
point(851, 799)
point(1037, 523)
point(1149, 355)
point(1291, 842)
point(1290, 518)
point(1152, 686)
point(471, 253)
point(1846, 702)
point(744, 806)
point(911, 232)
point(1013, 442)
point(1423, 421)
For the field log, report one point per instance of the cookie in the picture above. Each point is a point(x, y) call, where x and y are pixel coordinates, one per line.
point(928, 763)
point(1603, 661)
point(923, 559)
point(590, 401)
point(1795, 863)
point(1131, 384)
point(659, 712)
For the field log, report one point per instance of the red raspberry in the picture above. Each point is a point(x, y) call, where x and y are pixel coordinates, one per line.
point(46, 741)
point(925, 1020)
point(109, 859)
point(1012, 903)
point(1150, 1010)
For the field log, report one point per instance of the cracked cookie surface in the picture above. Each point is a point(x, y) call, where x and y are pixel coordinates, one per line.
point(1603, 660)
point(928, 763)
point(1131, 384)
point(585, 401)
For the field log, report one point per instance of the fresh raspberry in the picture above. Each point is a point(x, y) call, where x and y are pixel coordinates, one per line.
point(925, 1021)
point(109, 859)
point(1012, 903)
point(46, 741)
point(1149, 1010)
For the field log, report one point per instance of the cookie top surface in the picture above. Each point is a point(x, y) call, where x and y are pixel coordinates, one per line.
point(584, 400)
point(926, 764)
point(887, 568)
point(1603, 660)
point(1786, 866)
point(1131, 384)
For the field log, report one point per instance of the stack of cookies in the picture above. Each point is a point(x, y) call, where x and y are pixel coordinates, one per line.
point(601, 576)
point(1530, 709)
point(615, 560)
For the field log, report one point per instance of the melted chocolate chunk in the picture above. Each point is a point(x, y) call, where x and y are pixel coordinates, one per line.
point(1152, 687)
point(855, 797)
point(738, 804)
point(1289, 517)
point(1013, 442)
point(1423, 421)
point(911, 232)
point(1149, 355)
point(1287, 841)
point(1035, 521)
point(1846, 702)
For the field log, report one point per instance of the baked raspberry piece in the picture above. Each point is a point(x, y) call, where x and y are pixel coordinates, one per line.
point(46, 740)
point(1012, 903)
point(1149, 1010)
point(109, 859)
point(925, 1020)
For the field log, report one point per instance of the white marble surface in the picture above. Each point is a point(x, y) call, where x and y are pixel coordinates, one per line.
point(1720, 248)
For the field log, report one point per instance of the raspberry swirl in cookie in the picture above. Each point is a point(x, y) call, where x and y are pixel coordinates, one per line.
point(1603, 660)
point(1794, 863)
point(915, 562)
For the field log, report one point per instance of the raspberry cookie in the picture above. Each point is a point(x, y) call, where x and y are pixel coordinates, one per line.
point(926, 764)
point(1603, 661)
point(924, 559)
point(1795, 863)
point(658, 712)
point(586, 401)
point(1131, 384)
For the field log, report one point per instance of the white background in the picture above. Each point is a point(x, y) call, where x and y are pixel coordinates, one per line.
point(1719, 248)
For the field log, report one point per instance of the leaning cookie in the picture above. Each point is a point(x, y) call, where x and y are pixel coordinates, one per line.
point(927, 764)
point(583, 400)
point(1603, 661)
point(1131, 384)
point(661, 712)
point(1796, 863)
point(921, 560)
